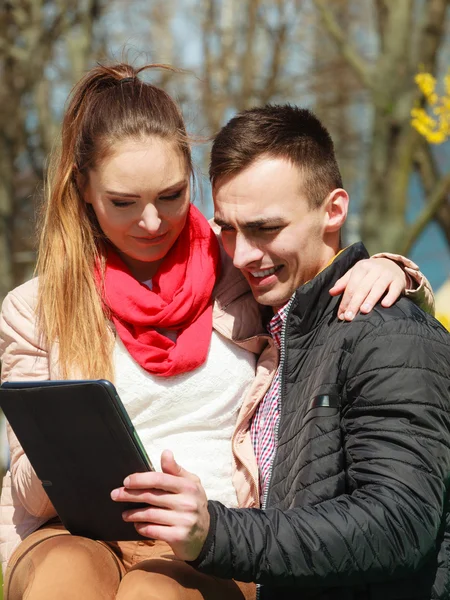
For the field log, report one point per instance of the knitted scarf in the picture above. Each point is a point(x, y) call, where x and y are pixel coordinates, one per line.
point(180, 300)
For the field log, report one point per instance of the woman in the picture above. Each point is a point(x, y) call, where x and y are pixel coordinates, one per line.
point(127, 268)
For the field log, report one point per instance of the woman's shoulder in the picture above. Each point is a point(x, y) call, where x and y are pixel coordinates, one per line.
point(23, 298)
point(20, 344)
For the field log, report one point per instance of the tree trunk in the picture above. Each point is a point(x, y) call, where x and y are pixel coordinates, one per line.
point(409, 35)
point(393, 139)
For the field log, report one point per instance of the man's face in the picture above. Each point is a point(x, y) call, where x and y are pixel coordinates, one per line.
point(269, 230)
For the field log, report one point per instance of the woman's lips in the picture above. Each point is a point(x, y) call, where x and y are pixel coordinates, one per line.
point(150, 241)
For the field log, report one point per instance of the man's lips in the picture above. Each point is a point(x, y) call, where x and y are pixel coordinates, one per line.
point(263, 276)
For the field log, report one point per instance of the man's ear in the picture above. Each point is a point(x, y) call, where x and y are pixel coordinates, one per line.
point(336, 208)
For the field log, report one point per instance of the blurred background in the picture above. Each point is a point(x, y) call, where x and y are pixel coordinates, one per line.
point(351, 61)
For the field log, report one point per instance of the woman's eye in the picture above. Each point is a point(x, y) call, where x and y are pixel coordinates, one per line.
point(173, 196)
point(121, 203)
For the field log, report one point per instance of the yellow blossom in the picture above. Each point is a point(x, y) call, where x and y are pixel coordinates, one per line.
point(426, 83)
point(435, 129)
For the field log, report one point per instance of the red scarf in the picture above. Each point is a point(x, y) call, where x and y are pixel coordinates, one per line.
point(180, 300)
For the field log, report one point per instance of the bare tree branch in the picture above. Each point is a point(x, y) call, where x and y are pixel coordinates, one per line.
point(381, 10)
point(423, 54)
point(208, 96)
point(279, 37)
point(361, 68)
point(29, 32)
point(248, 59)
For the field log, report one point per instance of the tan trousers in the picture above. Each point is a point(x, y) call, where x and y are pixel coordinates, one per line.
point(52, 564)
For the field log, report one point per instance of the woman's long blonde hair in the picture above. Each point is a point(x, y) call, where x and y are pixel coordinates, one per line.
point(108, 105)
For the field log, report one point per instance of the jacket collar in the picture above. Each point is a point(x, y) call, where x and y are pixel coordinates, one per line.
point(312, 301)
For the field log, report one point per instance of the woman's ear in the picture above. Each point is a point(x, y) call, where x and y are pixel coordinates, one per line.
point(336, 208)
point(81, 181)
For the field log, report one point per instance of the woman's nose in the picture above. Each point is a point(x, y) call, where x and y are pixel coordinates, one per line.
point(150, 220)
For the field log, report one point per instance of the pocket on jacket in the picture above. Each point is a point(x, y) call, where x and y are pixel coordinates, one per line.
point(323, 405)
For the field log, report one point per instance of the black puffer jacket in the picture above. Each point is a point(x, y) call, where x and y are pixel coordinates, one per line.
point(358, 503)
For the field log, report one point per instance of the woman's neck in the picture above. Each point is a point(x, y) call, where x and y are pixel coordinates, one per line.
point(142, 271)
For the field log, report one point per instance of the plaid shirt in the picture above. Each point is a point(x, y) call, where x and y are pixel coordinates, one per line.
point(265, 421)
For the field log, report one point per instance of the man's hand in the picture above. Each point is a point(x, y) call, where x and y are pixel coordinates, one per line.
point(177, 512)
point(365, 283)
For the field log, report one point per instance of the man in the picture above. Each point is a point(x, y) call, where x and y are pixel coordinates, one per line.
point(352, 438)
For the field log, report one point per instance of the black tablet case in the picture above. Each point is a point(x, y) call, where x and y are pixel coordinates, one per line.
point(81, 448)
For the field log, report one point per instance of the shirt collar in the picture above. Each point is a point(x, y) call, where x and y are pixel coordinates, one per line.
point(276, 323)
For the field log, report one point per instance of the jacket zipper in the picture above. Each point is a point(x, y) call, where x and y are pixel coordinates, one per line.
point(281, 367)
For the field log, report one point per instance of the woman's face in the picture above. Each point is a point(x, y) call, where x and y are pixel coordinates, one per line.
point(140, 195)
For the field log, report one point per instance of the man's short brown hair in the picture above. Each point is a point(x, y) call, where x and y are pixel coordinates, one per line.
point(278, 131)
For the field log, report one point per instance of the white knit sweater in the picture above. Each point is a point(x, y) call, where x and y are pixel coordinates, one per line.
point(193, 414)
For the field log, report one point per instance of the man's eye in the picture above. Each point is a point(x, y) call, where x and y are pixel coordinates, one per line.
point(270, 229)
point(173, 196)
point(226, 229)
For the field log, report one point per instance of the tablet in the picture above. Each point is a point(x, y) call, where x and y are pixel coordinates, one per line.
point(82, 444)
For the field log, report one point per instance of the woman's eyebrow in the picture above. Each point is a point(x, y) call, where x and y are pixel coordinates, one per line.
point(122, 194)
point(173, 186)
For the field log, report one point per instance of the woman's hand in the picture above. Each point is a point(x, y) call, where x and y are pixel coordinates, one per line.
point(365, 283)
point(177, 511)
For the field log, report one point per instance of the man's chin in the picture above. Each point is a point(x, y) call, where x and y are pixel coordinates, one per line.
point(270, 298)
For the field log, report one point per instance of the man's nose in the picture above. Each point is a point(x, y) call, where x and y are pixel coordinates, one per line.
point(245, 252)
point(150, 220)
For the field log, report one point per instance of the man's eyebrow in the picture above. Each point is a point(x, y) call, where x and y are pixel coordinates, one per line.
point(254, 224)
point(218, 221)
point(263, 222)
